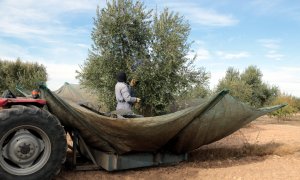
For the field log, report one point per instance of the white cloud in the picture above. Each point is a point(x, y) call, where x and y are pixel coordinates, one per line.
point(286, 78)
point(85, 46)
point(54, 6)
point(237, 55)
point(37, 19)
point(274, 55)
point(210, 17)
point(272, 46)
point(38, 31)
point(270, 43)
point(279, 8)
point(265, 6)
point(201, 54)
point(198, 15)
point(12, 51)
point(60, 73)
point(216, 76)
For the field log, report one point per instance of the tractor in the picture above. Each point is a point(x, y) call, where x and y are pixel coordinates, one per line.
point(32, 140)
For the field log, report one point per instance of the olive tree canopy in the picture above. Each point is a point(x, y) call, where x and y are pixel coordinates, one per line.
point(151, 47)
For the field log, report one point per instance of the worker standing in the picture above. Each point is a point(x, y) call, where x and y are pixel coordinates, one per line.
point(122, 92)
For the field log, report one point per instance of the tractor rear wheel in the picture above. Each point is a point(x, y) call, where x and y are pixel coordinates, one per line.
point(32, 144)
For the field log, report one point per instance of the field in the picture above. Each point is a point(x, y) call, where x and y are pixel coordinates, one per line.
point(267, 148)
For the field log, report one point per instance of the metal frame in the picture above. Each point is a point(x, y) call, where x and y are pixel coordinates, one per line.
point(116, 162)
point(75, 164)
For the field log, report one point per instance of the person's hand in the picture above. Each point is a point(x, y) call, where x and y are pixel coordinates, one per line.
point(138, 100)
point(132, 82)
point(137, 106)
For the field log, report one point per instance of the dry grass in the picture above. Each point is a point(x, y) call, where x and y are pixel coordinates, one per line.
point(240, 148)
point(247, 150)
point(248, 153)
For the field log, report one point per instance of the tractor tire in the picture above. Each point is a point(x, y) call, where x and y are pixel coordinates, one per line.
point(32, 144)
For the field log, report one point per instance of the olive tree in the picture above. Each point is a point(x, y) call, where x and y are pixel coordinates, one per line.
point(248, 86)
point(151, 47)
point(25, 74)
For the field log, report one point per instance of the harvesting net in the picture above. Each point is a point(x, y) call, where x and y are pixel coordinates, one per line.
point(178, 132)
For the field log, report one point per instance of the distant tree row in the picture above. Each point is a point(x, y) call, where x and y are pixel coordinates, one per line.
point(18, 73)
point(248, 86)
point(293, 106)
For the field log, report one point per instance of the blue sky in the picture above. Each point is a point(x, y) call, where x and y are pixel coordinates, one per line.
point(225, 33)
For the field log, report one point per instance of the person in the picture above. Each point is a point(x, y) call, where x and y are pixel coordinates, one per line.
point(132, 83)
point(123, 97)
point(35, 94)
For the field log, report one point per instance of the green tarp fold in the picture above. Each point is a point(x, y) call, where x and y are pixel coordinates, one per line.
point(178, 132)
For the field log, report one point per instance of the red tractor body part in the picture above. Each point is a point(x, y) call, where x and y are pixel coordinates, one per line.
point(7, 102)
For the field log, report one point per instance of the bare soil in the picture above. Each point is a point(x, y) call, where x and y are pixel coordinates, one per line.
point(267, 148)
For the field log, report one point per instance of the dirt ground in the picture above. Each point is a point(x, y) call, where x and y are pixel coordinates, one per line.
point(265, 149)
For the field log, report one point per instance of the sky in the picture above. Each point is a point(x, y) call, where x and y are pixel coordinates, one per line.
point(225, 33)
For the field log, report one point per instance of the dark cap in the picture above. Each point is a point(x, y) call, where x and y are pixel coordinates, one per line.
point(121, 77)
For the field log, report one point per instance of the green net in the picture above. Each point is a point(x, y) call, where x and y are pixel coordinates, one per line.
point(179, 132)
